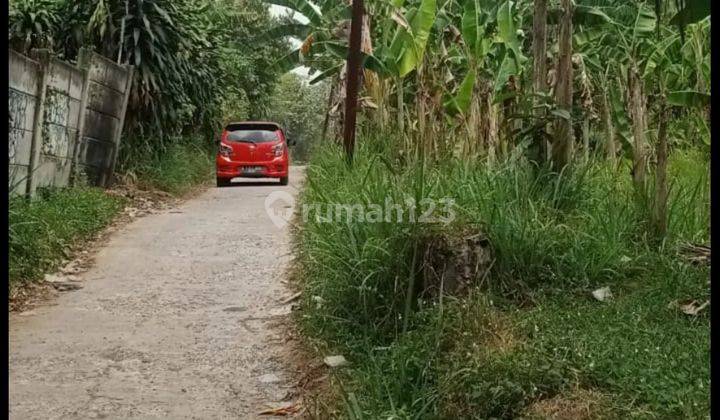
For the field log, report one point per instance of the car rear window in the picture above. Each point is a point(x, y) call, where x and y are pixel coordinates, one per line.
point(252, 133)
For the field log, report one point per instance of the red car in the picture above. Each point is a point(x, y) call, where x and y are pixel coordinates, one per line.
point(252, 149)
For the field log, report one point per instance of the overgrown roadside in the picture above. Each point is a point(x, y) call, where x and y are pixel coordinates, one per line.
point(59, 230)
point(527, 337)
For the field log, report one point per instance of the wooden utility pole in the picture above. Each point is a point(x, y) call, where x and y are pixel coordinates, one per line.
point(562, 146)
point(353, 73)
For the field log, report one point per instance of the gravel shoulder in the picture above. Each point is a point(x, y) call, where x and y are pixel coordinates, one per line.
point(180, 317)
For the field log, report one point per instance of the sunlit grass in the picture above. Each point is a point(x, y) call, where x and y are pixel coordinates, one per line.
point(555, 240)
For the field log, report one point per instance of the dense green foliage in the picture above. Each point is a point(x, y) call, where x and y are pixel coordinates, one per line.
point(43, 230)
point(194, 64)
point(555, 240)
point(298, 108)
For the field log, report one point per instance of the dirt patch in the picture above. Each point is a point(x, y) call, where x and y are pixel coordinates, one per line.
point(483, 329)
point(312, 378)
point(578, 404)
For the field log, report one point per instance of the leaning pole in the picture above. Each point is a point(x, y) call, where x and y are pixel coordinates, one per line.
point(353, 75)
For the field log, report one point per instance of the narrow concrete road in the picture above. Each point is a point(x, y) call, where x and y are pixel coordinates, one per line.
point(178, 319)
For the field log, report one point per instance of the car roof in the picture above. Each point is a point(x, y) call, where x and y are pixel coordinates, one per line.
point(254, 123)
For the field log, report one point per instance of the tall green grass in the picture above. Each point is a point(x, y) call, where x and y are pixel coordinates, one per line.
point(555, 238)
point(42, 230)
point(178, 169)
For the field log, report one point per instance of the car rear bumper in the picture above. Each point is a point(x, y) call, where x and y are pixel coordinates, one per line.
point(228, 169)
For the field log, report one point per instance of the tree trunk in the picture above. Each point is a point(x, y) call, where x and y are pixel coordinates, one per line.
point(329, 109)
point(400, 106)
point(562, 147)
point(661, 188)
point(337, 113)
point(637, 114)
point(586, 137)
point(474, 123)
point(492, 127)
point(369, 81)
point(539, 48)
point(609, 128)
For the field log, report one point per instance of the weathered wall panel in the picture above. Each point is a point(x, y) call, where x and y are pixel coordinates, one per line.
point(91, 100)
point(23, 87)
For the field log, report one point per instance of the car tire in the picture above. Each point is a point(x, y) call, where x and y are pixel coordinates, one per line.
point(284, 180)
point(222, 182)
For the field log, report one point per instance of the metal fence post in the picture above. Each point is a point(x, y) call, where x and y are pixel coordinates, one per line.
point(43, 57)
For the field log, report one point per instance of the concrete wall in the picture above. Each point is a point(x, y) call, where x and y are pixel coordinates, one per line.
point(66, 120)
point(24, 85)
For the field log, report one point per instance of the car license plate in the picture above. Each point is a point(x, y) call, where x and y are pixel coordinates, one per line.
point(252, 169)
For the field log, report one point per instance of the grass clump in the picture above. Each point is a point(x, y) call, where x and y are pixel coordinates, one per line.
point(41, 230)
point(178, 170)
point(532, 338)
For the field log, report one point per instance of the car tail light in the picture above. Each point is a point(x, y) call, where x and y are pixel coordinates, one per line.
point(225, 150)
point(278, 150)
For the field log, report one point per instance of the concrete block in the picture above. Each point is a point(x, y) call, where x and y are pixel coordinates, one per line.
point(97, 70)
point(115, 77)
point(30, 113)
point(73, 113)
point(105, 100)
point(91, 173)
point(44, 174)
point(55, 140)
point(19, 142)
point(76, 84)
point(24, 73)
point(17, 179)
point(57, 107)
point(60, 74)
point(94, 152)
point(99, 126)
point(21, 109)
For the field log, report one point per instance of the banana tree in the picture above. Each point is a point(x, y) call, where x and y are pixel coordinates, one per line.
point(323, 47)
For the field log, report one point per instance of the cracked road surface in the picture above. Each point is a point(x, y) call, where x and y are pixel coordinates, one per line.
point(178, 319)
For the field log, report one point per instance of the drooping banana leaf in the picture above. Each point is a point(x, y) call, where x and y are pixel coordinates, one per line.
point(297, 30)
point(688, 98)
point(420, 25)
point(325, 74)
point(507, 31)
point(644, 21)
point(472, 28)
point(461, 101)
point(288, 62)
point(582, 16)
point(508, 67)
point(658, 56)
point(694, 11)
